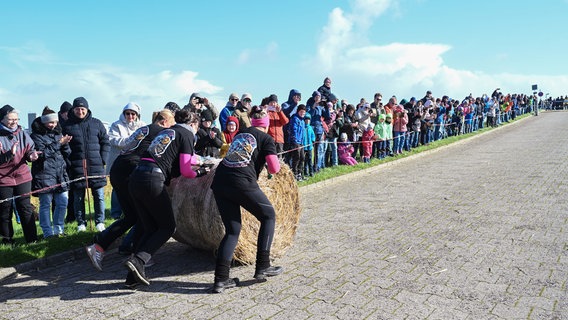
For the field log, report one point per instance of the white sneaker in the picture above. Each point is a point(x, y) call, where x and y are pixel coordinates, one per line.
point(81, 228)
point(100, 227)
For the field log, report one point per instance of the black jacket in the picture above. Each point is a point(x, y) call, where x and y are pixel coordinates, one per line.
point(50, 168)
point(89, 150)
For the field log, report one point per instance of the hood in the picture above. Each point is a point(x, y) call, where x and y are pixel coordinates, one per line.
point(235, 120)
point(293, 92)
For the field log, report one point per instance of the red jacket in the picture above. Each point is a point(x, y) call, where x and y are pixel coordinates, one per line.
point(14, 169)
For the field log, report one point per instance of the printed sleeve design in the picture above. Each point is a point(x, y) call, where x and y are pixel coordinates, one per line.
point(161, 143)
point(241, 150)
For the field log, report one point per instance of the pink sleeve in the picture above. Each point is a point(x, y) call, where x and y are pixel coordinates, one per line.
point(194, 160)
point(273, 163)
point(185, 165)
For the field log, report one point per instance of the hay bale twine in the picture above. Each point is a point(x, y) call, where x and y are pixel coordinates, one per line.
point(199, 224)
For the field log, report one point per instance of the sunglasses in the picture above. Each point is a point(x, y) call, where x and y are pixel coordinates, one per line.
point(247, 100)
point(130, 113)
point(235, 99)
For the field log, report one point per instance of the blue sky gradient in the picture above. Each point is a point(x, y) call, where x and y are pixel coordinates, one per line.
point(150, 52)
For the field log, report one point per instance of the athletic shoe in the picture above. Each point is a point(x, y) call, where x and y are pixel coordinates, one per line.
point(268, 272)
point(81, 228)
point(100, 227)
point(136, 265)
point(220, 286)
point(150, 263)
point(96, 253)
point(131, 282)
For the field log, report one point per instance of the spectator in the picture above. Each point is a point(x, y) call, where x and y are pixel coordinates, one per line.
point(50, 172)
point(208, 137)
point(90, 147)
point(242, 110)
point(309, 140)
point(316, 112)
point(63, 115)
point(231, 130)
point(380, 130)
point(118, 134)
point(277, 122)
point(172, 106)
point(296, 139)
point(399, 126)
point(16, 149)
point(345, 150)
point(325, 90)
point(228, 110)
point(367, 143)
point(198, 103)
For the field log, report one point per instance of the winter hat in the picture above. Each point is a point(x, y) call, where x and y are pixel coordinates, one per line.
point(307, 117)
point(316, 93)
point(206, 115)
point(80, 102)
point(65, 107)
point(403, 101)
point(343, 136)
point(132, 106)
point(330, 105)
point(5, 110)
point(332, 97)
point(172, 106)
point(246, 96)
point(233, 96)
point(272, 98)
point(370, 126)
point(48, 115)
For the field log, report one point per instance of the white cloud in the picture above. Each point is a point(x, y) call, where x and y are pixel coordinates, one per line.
point(404, 69)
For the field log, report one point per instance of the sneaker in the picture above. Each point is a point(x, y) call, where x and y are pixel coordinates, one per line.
point(150, 263)
point(220, 286)
point(268, 272)
point(136, 265)
point(131, 282)
point(100, 227)
point(81, 228)
point(96, 253)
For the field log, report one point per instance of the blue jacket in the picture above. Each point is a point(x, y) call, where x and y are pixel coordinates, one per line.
point(316, 112)
point(50, 168)
point(90, 143)
point(226, 112)
point(289, 107)
point(309, 138)
point(297, 129)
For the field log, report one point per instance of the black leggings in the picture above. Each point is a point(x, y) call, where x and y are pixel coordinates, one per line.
point(24, 207)
point(154, 209)
point(119, 179)
point(255, 202)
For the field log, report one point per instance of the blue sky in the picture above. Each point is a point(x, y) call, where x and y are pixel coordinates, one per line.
point(152, 52)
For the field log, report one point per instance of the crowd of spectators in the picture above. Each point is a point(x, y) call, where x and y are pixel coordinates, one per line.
point(322, 132)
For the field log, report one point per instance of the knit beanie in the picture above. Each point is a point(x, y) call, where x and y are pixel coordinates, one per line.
point(80, 102)
point(65, 107)
point(48, 115)
point(5, 110)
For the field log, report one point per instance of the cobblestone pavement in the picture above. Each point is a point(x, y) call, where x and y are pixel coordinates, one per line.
point(476, 230)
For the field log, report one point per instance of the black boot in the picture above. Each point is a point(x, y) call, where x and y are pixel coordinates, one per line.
point(263, 268)
point(222, 280)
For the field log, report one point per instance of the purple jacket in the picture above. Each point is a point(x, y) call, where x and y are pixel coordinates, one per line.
point(14, 169)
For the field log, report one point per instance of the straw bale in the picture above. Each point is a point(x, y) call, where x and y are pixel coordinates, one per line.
point(199, 224)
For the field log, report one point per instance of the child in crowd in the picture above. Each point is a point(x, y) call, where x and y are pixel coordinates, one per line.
point(388, 133)
point(367, 142)
point(50, 171)
point(345, 150)
point(309, 140)
point(231, 129)
point(380, 132)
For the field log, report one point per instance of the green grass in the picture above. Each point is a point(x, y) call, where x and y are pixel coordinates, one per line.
point(12, 256)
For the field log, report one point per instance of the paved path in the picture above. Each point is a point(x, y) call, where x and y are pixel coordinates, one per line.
point(476, 230)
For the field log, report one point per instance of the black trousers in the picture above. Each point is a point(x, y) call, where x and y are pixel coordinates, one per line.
point(154, 209)
point(24, 207)
point(255, 202)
